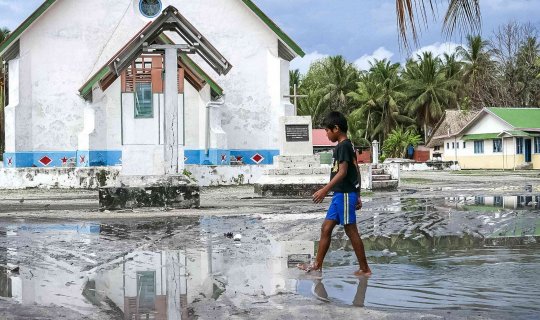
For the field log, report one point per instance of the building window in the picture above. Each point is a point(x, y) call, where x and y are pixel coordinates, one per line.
point(464, 145)
point(150, 8)
point(537, 145)
point(497, 145)
point(143, 100)
point(479, 146)
point(437, 148)
point(519, 145)
point(453, 145)
point(457, 145)
point(448, 145)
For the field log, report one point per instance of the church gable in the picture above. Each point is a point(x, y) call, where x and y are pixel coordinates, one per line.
point(288, 48)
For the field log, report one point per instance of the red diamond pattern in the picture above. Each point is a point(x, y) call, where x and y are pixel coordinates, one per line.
point(45, 161)
point(257, 158)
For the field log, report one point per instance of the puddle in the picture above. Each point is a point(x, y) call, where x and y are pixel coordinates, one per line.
point(168, 269)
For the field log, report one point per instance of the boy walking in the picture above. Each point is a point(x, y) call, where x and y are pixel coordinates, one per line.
point(345, 183)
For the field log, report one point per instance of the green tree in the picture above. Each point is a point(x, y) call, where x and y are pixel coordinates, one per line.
point(367, 96)
point(341, 78)
point(391, 99)
point(312, 106)
point(397, 142)
point(527, 69)
point(478, 70)
point(294, 79)
point(429, 90)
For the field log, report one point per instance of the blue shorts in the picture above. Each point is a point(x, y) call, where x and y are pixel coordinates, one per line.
point(343, 208)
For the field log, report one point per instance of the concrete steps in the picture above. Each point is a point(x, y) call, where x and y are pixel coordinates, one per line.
point(381, 180)
point(385, 184)
point(380, 177)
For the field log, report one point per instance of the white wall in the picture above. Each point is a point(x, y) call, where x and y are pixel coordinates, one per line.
point(254, 86)
point(488, 124)
point(66, 45)
point(10, 112)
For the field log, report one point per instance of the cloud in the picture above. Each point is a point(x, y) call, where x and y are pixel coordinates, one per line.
point(437, 48)
point(363, 63)
point(303, 63)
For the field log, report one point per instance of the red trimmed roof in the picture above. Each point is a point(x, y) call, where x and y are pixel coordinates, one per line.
point(321, 140)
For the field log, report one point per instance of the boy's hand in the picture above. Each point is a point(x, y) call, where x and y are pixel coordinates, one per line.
point(358, 203)
point(319, 196)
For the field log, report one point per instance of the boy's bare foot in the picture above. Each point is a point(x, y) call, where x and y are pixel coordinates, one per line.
point(308, 267)
point(361, 273)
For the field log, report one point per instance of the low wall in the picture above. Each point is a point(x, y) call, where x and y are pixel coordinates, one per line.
point(427, 166)
point(95, 177)
point(206, 176)
point(63, 178)
point(393, 169)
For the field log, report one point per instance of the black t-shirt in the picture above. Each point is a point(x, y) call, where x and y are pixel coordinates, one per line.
point(344, 151)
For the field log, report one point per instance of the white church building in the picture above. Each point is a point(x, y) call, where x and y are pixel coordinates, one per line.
point(85, 84)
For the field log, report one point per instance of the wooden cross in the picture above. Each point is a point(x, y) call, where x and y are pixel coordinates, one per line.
point(295, 96)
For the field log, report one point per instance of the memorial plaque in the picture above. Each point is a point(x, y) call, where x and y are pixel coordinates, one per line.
point(297, 132)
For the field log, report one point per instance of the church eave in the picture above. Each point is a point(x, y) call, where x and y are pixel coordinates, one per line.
point(16, 34)
point(274, 27)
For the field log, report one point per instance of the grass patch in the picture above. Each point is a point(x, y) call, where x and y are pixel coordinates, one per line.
point(367, 193)
point(416, 180)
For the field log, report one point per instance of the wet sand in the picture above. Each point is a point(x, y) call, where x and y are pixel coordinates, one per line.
point(61, 257)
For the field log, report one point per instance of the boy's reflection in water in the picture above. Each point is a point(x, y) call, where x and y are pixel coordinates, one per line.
point(319, 291)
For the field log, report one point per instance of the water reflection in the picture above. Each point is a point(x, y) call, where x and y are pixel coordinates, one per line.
point(424, 272)
point(336, 291)
point(150, 285)
point(528, 202)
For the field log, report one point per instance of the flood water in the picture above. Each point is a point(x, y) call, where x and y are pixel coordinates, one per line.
point(160, 270)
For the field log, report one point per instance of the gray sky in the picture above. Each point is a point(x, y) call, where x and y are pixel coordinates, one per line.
point(358, 29)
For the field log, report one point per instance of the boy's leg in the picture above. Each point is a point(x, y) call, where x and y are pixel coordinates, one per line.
point(324, 243)
point(352, 232)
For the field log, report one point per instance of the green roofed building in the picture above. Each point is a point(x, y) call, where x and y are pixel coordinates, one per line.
point(494, 138)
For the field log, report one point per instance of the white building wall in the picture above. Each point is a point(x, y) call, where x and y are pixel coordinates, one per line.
point(62, 47)
point(73, 39)
point(488, 124)
point(253, 87)
point(10, 111)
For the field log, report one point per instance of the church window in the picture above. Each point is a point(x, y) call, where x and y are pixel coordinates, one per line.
point(143, 100)
point(150, 8)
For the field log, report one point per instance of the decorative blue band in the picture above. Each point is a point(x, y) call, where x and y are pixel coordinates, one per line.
point(52, 159)
point(99, 158)
point(218, 157)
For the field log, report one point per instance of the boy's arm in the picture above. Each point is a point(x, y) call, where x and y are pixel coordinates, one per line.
point(319, 196)
point(359, 201)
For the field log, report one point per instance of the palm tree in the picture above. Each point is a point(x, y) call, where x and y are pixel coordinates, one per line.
point(313, 106)
point(453, 69)
point(367, 97)
point(390, 112)
point(429, 90)
point(341, 79)
point(477, 69)
point(294, 79)
point(461, 15)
